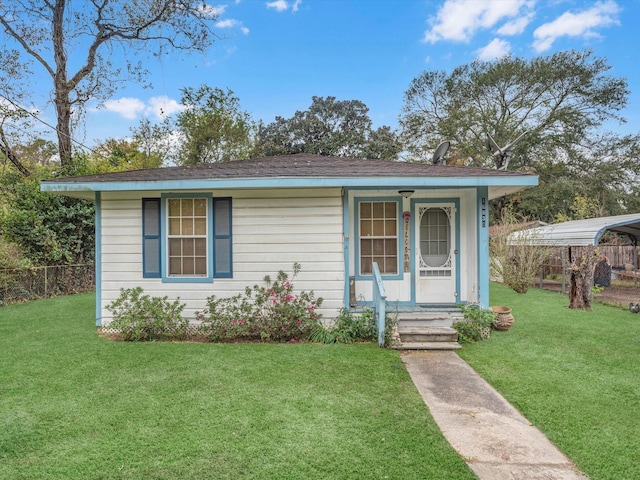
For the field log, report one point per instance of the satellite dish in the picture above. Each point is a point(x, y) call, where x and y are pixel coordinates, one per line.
point(440, 152)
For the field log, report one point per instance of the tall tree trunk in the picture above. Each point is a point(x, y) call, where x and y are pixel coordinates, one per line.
point(581, 279)
point(61, 85)
point(63, 128)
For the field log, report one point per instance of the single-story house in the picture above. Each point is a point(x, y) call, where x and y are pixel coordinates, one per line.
point(213, 229)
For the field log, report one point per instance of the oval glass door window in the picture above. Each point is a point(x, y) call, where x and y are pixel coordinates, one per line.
point(435, 238)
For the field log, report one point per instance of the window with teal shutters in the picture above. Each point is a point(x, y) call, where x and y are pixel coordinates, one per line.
point(187, 239)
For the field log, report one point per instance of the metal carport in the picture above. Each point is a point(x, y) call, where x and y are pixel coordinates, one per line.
point(578, 233)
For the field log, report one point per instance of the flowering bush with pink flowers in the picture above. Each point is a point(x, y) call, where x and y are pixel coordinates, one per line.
point(273, 312)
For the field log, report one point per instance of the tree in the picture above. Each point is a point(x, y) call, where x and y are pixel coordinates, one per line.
point(49, 229)
point(557, 101)
point(13, 118)
point(212, 127)
point(119, 154)
point(329, 127)
point(554, 107)
point(154, 141)
point(44, 34)
point(603, 170)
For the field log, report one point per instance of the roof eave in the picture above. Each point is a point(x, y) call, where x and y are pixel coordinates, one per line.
point(499, 185)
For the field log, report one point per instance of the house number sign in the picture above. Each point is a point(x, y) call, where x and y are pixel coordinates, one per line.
point(484, 212)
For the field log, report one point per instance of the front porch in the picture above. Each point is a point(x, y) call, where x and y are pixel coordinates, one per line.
point(418, 327)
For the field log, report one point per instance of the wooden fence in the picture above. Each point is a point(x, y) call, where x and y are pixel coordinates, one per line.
point(620, 257)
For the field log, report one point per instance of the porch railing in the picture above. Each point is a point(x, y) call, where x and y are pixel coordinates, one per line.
point(379, 303)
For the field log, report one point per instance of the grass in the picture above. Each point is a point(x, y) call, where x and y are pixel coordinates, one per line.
point(574, 374)
point(77, 406)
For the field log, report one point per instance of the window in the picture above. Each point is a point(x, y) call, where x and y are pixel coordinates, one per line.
point(186, 238)
point(378, 229)
point(435, 237)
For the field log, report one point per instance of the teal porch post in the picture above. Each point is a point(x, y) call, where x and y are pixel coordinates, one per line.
point(98, 258)
point(483, 245)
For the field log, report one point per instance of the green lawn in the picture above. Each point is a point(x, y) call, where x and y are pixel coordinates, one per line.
point(76, 406)
point(574, 374)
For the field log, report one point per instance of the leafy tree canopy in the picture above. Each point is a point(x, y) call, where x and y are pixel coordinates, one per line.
point(118, 155)
point(556, 101)
point(212, 127)
point(329, 127)
point(48, 229)
point(554, 108)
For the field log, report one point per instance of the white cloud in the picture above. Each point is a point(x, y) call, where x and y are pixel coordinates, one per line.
point(163, 106)
point(226, 23)
point(581, 24)
point(459, 20)
point(279, 5)
point(497, 48)
point(128, 107)
point(231, 23)
point(282, 5)
point(515, 27)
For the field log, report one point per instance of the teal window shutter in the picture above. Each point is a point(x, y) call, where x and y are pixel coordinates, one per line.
point(151, 238)
point(222, 238)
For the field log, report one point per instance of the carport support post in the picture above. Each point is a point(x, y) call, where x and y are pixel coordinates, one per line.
point(564, 272)
point(635, 260)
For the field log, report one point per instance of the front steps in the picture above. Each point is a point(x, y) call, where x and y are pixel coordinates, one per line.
point(426, 331)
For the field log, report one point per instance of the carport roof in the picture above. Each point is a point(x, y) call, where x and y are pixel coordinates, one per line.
point(580, 232)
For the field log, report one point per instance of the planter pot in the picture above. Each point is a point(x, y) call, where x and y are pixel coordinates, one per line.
point(504, 319)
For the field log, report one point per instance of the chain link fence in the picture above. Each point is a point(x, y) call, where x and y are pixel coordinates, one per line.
point(19, 285)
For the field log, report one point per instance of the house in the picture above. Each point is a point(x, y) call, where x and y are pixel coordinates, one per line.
point(196, 231)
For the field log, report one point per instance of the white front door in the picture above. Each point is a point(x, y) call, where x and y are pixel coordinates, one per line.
point(436, 253)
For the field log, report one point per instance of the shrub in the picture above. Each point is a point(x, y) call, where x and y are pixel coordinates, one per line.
point(515, 255)
point(272, 312)
point(139, 317)
point(351, 327)
point(476, 325)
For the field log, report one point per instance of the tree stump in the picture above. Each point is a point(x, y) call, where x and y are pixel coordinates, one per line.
point(581, 279)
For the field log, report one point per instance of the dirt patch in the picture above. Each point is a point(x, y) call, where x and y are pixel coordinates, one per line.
point(619, 294)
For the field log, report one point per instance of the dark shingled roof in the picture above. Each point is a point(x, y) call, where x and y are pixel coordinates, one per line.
point(291, 166)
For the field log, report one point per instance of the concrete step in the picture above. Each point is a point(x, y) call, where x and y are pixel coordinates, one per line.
point(427, 334)
point(424, 319)
point(427, 346)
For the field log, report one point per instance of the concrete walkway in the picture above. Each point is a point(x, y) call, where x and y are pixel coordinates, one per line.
point(491, 435)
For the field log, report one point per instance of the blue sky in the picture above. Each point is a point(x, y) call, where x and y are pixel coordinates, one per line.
point(275, 55)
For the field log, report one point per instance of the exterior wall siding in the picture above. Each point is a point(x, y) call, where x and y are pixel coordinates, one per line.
point(272, 229)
